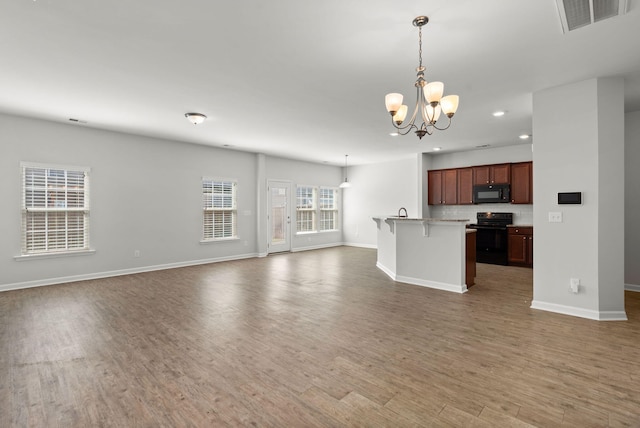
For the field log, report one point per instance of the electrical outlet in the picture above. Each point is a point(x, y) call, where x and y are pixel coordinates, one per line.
point(136, 253)
point(575, 285)
point(555, 217)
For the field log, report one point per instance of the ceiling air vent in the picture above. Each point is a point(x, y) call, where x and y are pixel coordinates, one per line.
point(578, 13)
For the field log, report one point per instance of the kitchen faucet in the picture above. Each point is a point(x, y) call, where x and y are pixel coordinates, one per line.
point(405, 212)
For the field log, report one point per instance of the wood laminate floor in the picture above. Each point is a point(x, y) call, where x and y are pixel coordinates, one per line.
point(317, 338)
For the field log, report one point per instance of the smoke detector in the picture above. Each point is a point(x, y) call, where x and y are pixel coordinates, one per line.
point(578, 13)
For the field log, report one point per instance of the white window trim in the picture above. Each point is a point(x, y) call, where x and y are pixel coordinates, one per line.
point(54, 255)
point(24, 256)
point(236, 236)
point(314, 210)
point(318, 210)
point(336, 193)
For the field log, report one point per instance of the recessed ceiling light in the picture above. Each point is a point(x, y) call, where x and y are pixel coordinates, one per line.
point(524, 137)
point(499, 113)
point(437, 149)
point(393, 134)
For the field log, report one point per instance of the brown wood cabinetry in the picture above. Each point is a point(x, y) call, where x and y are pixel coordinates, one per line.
point(465, 186)
point(450, 187)
point(522, 183)
point(492, 174)
point(435, 187)
point(443, 187)
point(455, 186)
point(470, 265)
point(520, 245)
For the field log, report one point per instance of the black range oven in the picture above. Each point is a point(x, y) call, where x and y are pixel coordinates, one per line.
point(491, 237)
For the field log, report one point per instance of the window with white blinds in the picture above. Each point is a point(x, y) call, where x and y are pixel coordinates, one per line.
point(55, 209)
point(328, 208)
point(305, 209)
point(219, 209)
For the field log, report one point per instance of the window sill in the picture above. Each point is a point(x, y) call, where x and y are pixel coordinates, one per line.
point(310, 232)
point(213, 241)
point(40, 256)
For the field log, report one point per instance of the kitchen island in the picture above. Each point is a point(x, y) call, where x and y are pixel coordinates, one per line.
point(425, 251)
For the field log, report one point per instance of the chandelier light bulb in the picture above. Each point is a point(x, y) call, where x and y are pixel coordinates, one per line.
point(433, 113)
point(393, 102)
point(433, 92)
point(449, 104)
point(400, 115)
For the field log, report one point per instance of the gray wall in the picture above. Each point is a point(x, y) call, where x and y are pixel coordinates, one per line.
point(145, 196)
point(580, 150)
point(517, 153)
point(379, 189)
point(632, 201)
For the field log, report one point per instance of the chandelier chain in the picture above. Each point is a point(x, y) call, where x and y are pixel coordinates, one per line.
point(420, 45)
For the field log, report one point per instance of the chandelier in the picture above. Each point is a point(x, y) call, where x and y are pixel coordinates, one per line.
point(430, 102)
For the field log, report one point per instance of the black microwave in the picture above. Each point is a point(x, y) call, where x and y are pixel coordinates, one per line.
point(491, 193)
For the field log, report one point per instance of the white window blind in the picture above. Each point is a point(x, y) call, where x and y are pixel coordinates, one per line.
point(55, 209)
point(219, 209)
point(305, 209)
point(328, 209)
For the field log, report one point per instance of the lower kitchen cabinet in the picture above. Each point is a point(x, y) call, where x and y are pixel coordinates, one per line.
point(520, 245)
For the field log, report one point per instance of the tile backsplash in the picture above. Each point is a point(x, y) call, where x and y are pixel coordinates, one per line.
point(522, 214)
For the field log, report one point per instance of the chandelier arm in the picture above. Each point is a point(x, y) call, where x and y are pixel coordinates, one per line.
point(411, 123)
point(408, 127)
point(442, 129)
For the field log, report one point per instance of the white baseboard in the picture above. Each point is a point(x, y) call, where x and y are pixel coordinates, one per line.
point(580, 312)
point(355, 244)
point(316, 247)
point(421, 282)
point(632, 287)
point(98, 275)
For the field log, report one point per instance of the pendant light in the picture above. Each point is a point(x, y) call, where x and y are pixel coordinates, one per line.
point(429, 104)
point(345, 183)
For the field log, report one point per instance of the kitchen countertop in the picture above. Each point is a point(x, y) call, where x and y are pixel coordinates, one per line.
point(520, 225)
point(430, 220)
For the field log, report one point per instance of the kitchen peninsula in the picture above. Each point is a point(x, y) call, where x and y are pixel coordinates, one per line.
point(426, 251)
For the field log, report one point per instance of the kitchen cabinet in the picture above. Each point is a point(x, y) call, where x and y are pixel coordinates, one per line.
point(435, 187)
point(443, 187)
point(522, 183)
point(520, 245)
point(465, 186)
point(492, 174)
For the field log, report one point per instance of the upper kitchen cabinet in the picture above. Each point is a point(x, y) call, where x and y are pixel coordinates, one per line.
point(492, 174)
point(435, 187)
point(443, 187)
point(522, 183)
point(465, 186)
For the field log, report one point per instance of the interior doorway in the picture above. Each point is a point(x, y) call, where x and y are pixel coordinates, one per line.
point(279, 216)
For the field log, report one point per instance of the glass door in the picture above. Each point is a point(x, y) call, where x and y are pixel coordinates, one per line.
point(279, 216)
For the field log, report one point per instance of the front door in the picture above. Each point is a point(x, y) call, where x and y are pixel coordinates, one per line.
point(279, 216)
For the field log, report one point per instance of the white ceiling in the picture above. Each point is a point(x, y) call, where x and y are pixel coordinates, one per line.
point(296, 78)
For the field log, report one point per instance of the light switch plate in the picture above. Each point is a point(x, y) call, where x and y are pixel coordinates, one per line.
point(555, 217)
